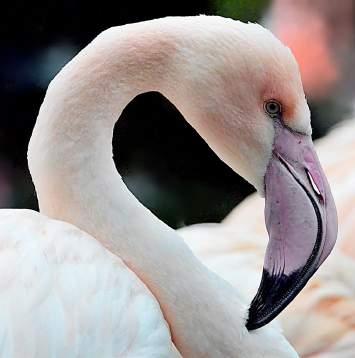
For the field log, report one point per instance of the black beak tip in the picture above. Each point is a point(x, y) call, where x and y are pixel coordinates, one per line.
point(276, 291)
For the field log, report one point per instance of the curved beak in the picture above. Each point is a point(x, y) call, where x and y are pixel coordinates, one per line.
point(301, 221)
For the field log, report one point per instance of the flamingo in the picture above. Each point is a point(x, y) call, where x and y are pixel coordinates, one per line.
point(96, 273)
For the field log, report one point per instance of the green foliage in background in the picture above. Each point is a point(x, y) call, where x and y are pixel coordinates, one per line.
point(244, 10)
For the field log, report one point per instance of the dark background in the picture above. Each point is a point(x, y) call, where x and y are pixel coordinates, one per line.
point(163, 161)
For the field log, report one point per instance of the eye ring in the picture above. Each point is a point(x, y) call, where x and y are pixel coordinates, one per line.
point(273, 108)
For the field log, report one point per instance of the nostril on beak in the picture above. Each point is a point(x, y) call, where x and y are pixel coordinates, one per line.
point(314, 185)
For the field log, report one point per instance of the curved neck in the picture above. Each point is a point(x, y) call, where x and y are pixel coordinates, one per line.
point(70, 159)
point(71, 147)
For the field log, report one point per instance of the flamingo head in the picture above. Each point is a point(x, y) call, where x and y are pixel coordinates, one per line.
point(248, 103)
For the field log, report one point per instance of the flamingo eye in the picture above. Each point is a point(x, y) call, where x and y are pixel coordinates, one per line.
point(272, 108)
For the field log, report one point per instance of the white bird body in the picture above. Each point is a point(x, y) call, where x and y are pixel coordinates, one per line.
point(64, 295)
point(82, 293)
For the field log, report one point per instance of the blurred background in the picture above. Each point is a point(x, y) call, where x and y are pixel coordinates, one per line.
point(162, 160)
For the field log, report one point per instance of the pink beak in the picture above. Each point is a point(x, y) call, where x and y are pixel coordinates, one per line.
point(301, 220)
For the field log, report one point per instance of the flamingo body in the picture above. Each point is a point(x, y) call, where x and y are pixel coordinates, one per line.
point(64, 295)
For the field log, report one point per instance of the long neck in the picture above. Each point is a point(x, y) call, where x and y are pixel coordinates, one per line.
point(70, 158)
